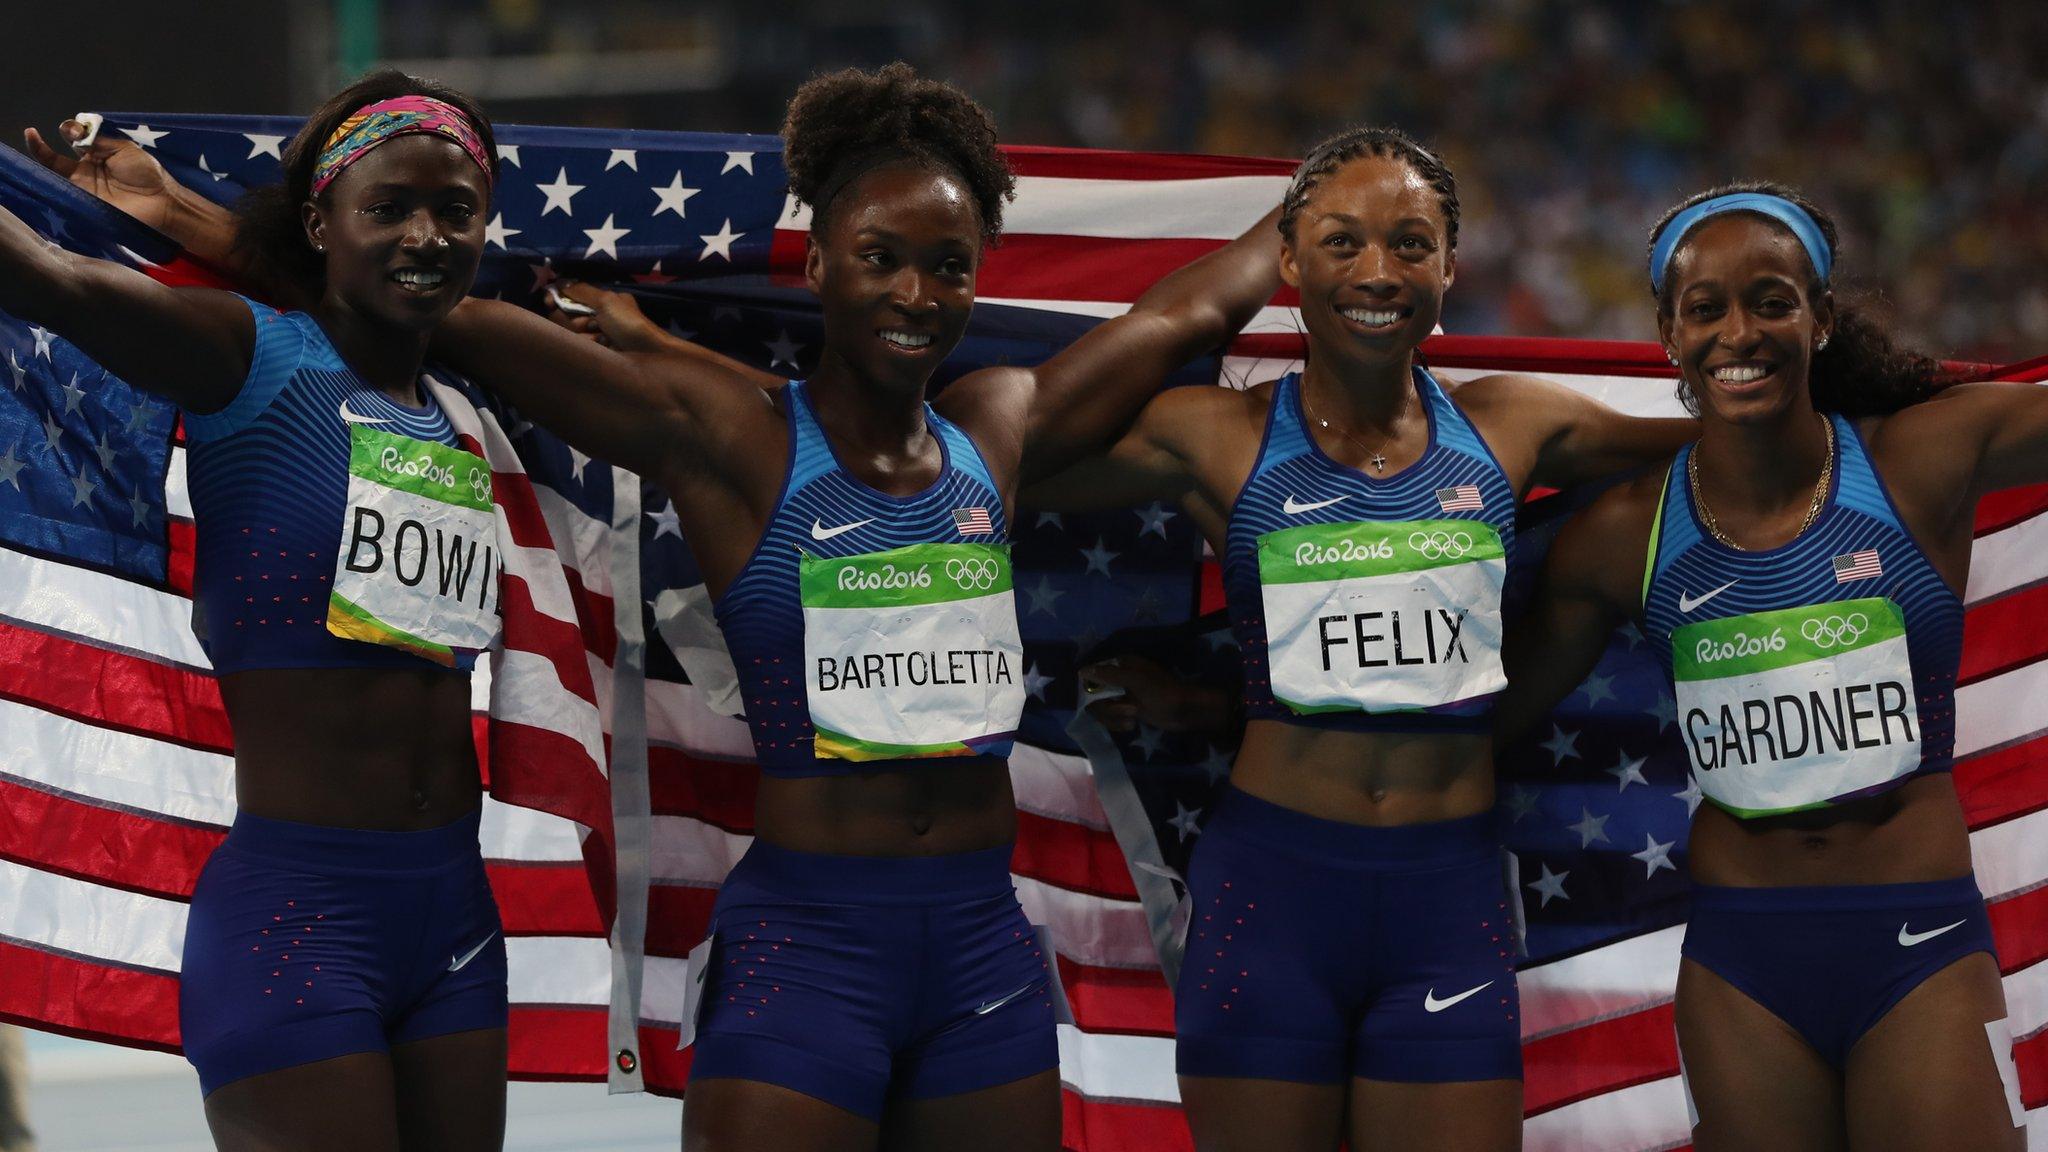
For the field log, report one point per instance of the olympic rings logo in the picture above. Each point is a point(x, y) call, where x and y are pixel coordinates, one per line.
point(973, 574)
point(1835, 631)
point(1440, 545)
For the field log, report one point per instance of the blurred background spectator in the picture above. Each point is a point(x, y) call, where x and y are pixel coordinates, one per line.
point(1571, 123)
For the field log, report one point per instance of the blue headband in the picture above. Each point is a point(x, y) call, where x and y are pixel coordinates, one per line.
point(1776, 207)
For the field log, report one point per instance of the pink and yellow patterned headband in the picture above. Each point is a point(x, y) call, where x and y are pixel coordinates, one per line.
point(386, 119)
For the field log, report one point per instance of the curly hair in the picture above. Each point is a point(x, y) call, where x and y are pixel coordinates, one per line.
point(843, 124)
point(1344, 147)
point(1861, 372)
point(269, 232)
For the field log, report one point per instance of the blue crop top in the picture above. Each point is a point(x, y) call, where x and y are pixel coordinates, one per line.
point(269, 477)
point(1365, 602)
point(871, 631)
point(1813, 672)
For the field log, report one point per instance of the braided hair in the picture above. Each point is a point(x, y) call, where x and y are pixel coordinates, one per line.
point(1861, 372)
point(844, 124)
point(268, 230)
point(1344, 147)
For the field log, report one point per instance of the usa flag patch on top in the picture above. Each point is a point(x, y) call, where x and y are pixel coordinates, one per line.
point(1857, 566)
point(1461, 498)
point(973, 521)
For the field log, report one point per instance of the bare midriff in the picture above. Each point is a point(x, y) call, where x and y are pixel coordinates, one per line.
point(1912, 834)
point(1368, 778)
point(950, 805)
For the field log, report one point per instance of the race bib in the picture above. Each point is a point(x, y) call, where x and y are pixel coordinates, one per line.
point(1797, 708)
point(418, 564)
point(1392, 616)
point(912, 652)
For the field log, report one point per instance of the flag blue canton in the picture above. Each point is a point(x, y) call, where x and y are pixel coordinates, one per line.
point(83, 456)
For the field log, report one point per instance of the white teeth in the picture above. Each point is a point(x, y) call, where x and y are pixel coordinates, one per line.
point(1740, 373)
point(425, 278)
point(1372, 318)
point(906, 339)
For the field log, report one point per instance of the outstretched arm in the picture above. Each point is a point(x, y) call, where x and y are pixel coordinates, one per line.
point(1590, 585)
point(190, 345)
point(1575, 438)
point(616, 321)
point(1078, 403)
point(645, 411)
point(2004, 425)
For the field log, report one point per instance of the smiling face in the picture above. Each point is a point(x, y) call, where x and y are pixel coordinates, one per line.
point(1371, 255)
point(1743, 321)
point(894, 268)
point(403, 230)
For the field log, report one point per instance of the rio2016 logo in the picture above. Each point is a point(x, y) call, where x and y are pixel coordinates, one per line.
point(1835, 631)
point(973, 573)
point(886, 578)
point(1343, 551)
point(1440, 545)
point(1711, 651)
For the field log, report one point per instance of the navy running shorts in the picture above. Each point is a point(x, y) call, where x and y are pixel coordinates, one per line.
point(1319, 951)
point(1831, 960)
point(855, 979)
point(305, 943)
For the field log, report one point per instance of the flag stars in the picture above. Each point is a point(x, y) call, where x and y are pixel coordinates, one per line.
point(1654, 855)
point(1036, 682)
point(1053, 518)
point(138, 510)
point(1690, 796)
point(204, 167)
point(42, 338)
point(105, 450)
point(782, 350)
point(495, 231)
point(74, 396)
point(81, 490)
point(14, 367)
point(1186, 821)
point(1562, 746)
point(144, 135)
point(666, 522)
point(543, 273)
point(1665, 710)
point(1149, 741)
point(509, 154)
point(52, 431)
point(1590, 828)
point(1216, 765)
point(261, 144)
point(1550, 885)
point(11, 466)
point(1154, 519)
point(740, 160)
point(720, 242)
point(604, 238)
point(1629, 771)
point(138, 420)
point(1597, 688)
point(674, 198)
point(1521, 802)
point(1098, 558)
point(626, 156)
point(1044, 598)
point(560, 194)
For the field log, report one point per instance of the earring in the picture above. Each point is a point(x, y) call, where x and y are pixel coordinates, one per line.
point(1671, 356)
point(1822, 346)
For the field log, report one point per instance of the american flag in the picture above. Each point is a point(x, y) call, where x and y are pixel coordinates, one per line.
point(1857, 566)
point(972, 521)
point(1461, 498)
point(118, 784)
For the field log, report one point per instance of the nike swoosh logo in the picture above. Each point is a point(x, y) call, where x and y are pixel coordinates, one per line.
point(457, 963)
point(1293, 509)
point(1688, 603)
point(820, 532)
point(1909, 938)
point(992, 1005)
point(355, 419)
point(1431, 1004)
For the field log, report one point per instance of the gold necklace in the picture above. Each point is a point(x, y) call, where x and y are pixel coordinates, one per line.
point(1813, 507)
point(1377, 459)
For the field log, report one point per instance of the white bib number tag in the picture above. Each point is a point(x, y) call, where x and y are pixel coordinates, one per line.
point(418, 564)
point(1797, 708)
point(1382, 616)
point(912, 652)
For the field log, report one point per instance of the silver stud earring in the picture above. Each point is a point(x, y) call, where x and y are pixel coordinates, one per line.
point(1822, 346)
point(1671, 356)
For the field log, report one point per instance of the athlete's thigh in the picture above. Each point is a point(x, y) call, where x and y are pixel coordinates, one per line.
point(1472, 1116)
point(1757, 1084)
point(1231, 1114)
point(345, 1104)
point(733, 1115)
point(451, 1092)
point(1925, 1079)
point(1021, 1116)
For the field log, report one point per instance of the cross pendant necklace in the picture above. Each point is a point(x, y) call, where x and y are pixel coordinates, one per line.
point(1377, 459)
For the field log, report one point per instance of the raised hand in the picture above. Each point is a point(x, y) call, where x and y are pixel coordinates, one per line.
point(116, 171)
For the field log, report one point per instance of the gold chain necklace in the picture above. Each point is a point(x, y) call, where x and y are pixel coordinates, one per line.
point(1813, 507)
point(1377, 459)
